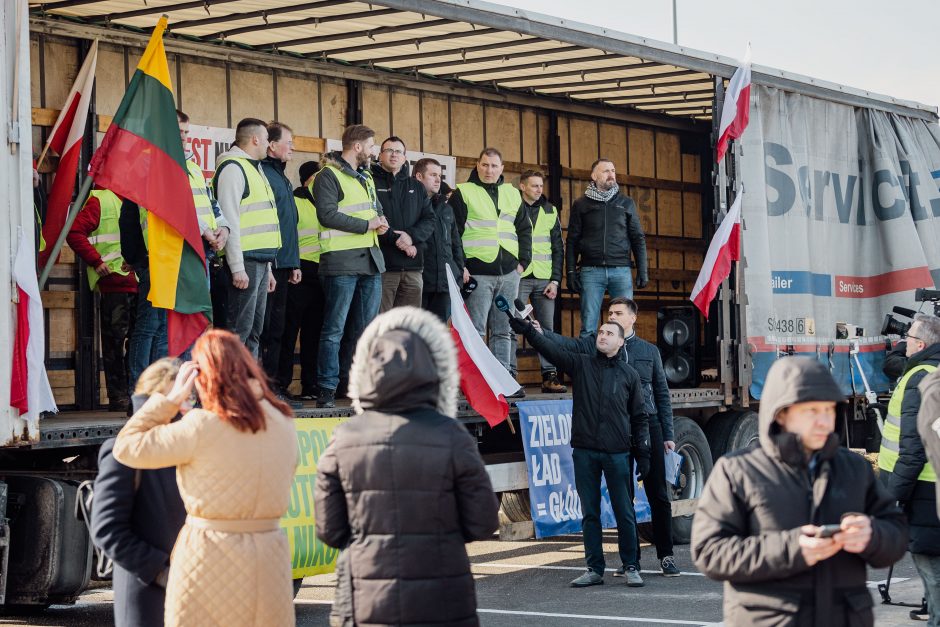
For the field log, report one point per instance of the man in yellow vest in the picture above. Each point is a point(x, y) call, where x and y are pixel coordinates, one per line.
point(351, 262)
point(96, 239)
point(903, 460)
point(247, 203)
point(497, 243)
point(540, 281)
point(305, 300)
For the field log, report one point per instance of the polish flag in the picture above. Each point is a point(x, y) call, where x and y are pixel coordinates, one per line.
point(30, 391)
point(736, 108)
point(483, 380)
point(725, 247)
point(66, 141)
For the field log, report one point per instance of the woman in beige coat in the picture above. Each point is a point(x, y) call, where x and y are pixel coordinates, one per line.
point(235, 462)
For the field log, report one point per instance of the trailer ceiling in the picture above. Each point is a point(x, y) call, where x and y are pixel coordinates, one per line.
point(464, 41)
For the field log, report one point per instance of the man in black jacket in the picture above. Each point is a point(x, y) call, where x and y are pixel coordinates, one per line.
point(410, 220)
point(286, 265)
point(903, 460)
point(603, 232)
point(608, 423)
point(443, 248)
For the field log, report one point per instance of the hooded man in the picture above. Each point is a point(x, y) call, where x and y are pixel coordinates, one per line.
point(404, 561)
point(758, 526)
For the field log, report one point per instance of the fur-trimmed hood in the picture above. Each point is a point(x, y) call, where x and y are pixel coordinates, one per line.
point(405, 359)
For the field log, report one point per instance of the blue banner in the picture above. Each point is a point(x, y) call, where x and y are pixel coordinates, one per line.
point(546, 438)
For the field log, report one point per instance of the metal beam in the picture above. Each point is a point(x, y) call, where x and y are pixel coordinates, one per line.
point(621, 81)
point(231, 17)
point(382, 30)
point(592, 92)
point(444, 53)
point(409, 42)
point(693, 94)
point(225, 34)
point(64, 4)
point(510, 56)
point(153, 10)
point(583, 73)
point(533, 66)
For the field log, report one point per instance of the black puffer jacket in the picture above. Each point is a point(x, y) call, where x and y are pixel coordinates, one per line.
point(402, 486)
point(444, 247)
point(606, 234)
point(747, 526)
point(609, 412)
point(407, 208)
point(918, 498)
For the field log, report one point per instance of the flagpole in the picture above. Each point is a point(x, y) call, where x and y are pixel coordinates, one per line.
point(74, 208)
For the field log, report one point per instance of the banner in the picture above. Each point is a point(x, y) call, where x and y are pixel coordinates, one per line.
point(309, 556)
point(841, 214)
point(553, 497)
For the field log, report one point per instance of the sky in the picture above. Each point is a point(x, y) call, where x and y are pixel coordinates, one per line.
point(885, 47)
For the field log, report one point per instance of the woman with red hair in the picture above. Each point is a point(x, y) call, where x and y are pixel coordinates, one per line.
point(235, 460)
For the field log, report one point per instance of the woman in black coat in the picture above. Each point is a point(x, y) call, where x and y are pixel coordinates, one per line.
point(136, 516)
point(757, 522)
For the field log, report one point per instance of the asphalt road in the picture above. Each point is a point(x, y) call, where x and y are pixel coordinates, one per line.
point(526, 583)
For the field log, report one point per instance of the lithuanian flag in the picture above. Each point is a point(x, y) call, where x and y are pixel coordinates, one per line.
point(141, 159)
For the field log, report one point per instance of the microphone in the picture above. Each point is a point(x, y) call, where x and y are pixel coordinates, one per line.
point(503, 305)
point(525, 311)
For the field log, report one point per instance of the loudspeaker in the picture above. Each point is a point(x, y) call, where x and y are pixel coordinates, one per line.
point(677, 337)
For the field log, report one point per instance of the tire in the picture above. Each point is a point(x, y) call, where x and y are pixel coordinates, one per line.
point(732, 431)
point(23, 609)
point(696, 466)
point(515, 505)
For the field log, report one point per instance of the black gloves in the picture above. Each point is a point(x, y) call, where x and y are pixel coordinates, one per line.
point(574, 283)
point(519, 325)
point(642, 459)
point(642, 281)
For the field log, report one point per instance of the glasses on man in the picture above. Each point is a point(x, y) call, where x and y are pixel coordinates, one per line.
point(394, 151)
point(912, 337)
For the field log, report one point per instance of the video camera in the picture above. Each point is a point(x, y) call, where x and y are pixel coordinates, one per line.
point(895, 326)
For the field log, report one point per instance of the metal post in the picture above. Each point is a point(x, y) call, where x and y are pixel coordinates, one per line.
point(675, 24)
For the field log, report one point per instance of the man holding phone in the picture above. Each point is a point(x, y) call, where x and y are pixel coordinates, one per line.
point(790, 526)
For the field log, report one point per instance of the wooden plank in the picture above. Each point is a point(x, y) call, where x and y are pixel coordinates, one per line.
point(641, 158)
point(252, 95)
point(646, 325)
point(436, 130)
point(668, 157)
point(333, 103)
point(406, 118)
point(109, 80)
point(63, 322)
point(614, 145)
point(466, 128)
point(508, 166)
point(375, 112)
point(645, 199)
point(204, 94)
point(503, 133)
point(584, 148)
point(58, 299)
point(563, 139)
point(35, 73)
point(659, 242)
point(691, 169)
point(61, 378)
point(640, 181)
point(297, 107)
point(692, 208)
point(309, 144)
point(64, 396)
point(530, 137)
point(669, 213)
point(670, 261)
point(543, 139)
point(669, 274)
point(61, 68)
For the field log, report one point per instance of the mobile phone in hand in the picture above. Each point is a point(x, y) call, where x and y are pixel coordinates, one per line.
point(827, 531)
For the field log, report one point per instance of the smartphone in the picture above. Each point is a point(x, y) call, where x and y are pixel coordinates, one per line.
point(827, 531)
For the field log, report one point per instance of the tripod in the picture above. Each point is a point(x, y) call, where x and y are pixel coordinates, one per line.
point(884, 591)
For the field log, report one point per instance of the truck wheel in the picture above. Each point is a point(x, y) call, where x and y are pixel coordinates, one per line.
point(515, 506)
point(732, 431)
point(696, 466)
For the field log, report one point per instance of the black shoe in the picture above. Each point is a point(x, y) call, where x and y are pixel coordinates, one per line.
point(668, 566)
point(520, 393)
point(326, 398)
point(307, 395)
point(287, 399)
point(920, 614)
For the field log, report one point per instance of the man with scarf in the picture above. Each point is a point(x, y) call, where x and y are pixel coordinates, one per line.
point(603, 232)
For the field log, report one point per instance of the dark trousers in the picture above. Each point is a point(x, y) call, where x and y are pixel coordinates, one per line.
point(149, 337)
point(305, 316)
point(117, 312)
point(275, 314)
point(656, 493)
point(438, 303)
point(218, 291)
point(617, 469)
point(246, 307)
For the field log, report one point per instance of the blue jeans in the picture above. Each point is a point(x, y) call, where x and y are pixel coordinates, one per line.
point(928, 567)
point(148, 341)
point(595, 280)
point(616, 468)
point(356, 297)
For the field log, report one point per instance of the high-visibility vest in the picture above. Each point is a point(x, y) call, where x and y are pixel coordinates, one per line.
point(358, 202)
point(308, 229)
point(541, 265)
point(488, 229)
point(891, 435)
point(107, 237)
point(42, 240)
point(258, 225)
point(200, 194)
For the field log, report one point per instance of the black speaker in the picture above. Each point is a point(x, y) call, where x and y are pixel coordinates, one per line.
point(677, 337)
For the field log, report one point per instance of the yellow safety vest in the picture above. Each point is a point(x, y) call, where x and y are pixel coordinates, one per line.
point(257, 223)
point(489, 228)
point(107, 237)
point(891, 435)
point(308, 229)
point(358, 202)
point(541, 265)
point(42, 240)
point(200, 194)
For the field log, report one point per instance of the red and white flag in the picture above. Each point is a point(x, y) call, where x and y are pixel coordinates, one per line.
point(30, 391)
point(483, 380)
point(725, 247)
point(736, 108)
point(66, 141)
